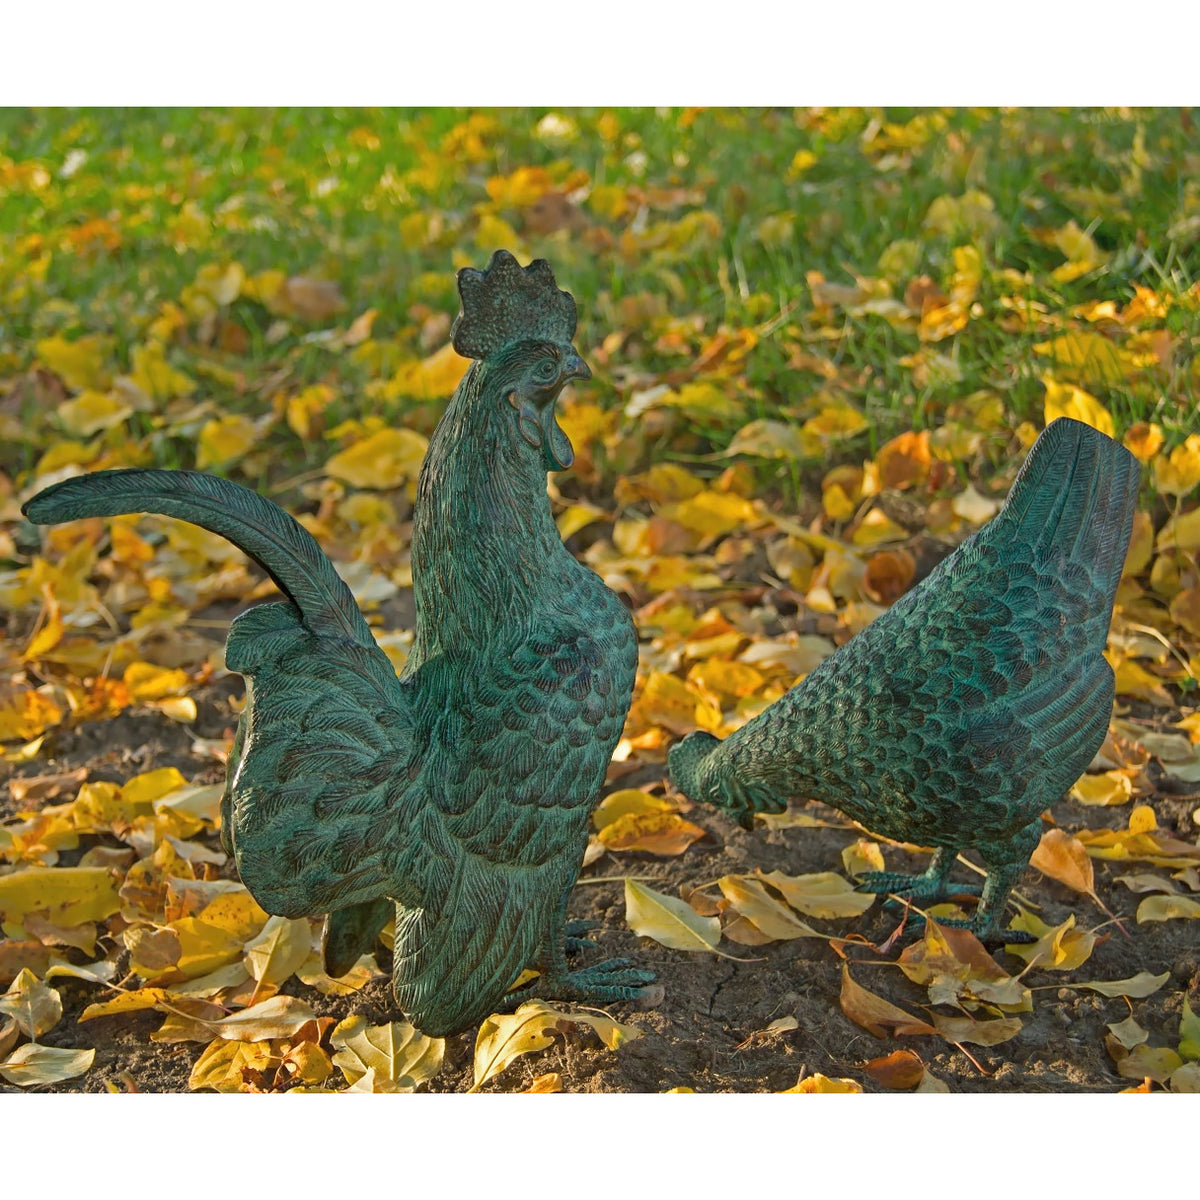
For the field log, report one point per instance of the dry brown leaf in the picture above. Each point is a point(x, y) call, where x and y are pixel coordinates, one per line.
point(874, 1013)
point(982, 1033)
point(1065, 859)
point(900, 1069)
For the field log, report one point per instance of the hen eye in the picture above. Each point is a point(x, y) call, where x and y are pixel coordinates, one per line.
point(545, 370)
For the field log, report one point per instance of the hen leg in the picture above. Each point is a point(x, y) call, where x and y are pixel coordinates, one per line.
point(604, 983)
point(1005, 863)
point(928, 888)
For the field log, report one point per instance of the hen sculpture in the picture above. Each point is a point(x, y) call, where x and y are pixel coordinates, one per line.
point(456, 797)
point(973, 703)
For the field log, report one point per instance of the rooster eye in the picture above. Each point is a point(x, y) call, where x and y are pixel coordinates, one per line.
point(545, 370)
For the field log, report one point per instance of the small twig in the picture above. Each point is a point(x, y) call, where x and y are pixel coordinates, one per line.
point(612, 879)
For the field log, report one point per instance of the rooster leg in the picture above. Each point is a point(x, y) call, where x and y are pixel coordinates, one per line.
point(351, 932)
point(604, 983)
point(574, 932)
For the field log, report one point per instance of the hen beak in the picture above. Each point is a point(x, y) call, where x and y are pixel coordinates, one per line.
point(575, 368)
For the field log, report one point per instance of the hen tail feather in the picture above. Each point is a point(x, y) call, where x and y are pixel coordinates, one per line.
point(1077, 493)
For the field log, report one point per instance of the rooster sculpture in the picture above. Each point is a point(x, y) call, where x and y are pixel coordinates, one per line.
point(973, 703)
point(456, 796)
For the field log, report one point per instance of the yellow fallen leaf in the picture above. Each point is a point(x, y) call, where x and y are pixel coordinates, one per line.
point(905, 460)
point(1143, 441)
point(385, 459)
point(712, 513)
point(124, 1002)
point(1181, 532)
point(662, 833)
point(1186, 1079)
point(432, 378)
point(278, 950)
point(202, 948)
point(1149, 1062)
point(728, 680)
point(1111, 787)
point(769, 439)
point(151, 785)
point(81, 364)
point(954, 965)
point(31, 1064)
point(1067, 400)
point(146, 681)
point(876, 527)
point(1128, 1032)
point(26, 715)
point(1138, 986)
point(1178, 473)
point(862, 856)
point(230, 1066)
point(48, 635)
point(1185, 610)
point(1058, 948)
point(629, 801)
point(305, 1063)
point(668, 701)
point(399, 1055)
point(750, 899)
point(974, 507)
point(153, 375)
point(278, 1017)
point(822, 1084)
point(823, 894)
point(1091, 358)
point(35, 1007)
point(668, 921)
point(225, 440)
point(1168, 908)
point(65, 896)
point(576, 517)
point(544, 1084)
point(1189, 1032)
point(504, 1038)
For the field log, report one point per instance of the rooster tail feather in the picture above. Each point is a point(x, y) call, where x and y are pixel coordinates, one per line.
point(257, 526)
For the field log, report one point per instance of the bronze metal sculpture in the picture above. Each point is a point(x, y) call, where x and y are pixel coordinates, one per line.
point(458, 795)
point(973, 703)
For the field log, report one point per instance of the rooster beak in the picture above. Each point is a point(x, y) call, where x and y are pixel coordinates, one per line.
point(575, 368)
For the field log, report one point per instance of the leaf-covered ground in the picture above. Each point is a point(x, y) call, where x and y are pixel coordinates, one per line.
point(822, 342)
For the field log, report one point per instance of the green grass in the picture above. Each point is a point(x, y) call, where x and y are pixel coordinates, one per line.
point(718, 232)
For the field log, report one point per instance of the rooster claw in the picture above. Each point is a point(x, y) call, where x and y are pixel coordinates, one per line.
point(573, 935)
point(606, 982)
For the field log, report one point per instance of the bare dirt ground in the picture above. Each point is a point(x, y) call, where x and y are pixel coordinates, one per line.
point(699, 1035)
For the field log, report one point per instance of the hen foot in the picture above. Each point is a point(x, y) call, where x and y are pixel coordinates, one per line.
point(993, 939)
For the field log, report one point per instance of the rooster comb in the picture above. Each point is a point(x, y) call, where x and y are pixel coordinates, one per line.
point(508, 303)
